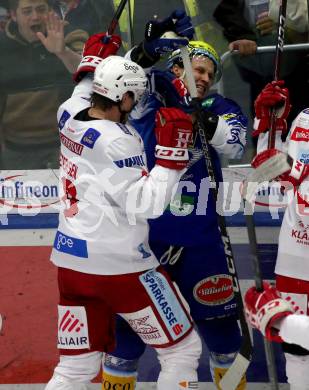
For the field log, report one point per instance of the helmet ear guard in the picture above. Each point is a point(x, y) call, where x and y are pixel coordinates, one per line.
point(198, 49)
point(115, 76)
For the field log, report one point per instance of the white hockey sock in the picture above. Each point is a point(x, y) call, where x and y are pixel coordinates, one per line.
point(179, 364)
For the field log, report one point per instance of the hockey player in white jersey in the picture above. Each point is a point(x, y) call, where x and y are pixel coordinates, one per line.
point(105, 265)
point(288, 162)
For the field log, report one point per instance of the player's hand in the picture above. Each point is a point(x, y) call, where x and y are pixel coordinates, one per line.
point(245, 47)
point(178, 22)
point(97, 47)
point(157, 43)
point(273, 96)
point(174, 134)
point(265, 25)
point(265, 308)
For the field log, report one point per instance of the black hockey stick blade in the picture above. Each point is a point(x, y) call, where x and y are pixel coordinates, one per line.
point(113, 24)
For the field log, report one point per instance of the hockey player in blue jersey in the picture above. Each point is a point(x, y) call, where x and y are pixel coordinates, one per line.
point(186, 238)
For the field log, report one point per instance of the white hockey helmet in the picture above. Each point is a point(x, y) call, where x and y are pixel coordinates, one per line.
point(115, 76)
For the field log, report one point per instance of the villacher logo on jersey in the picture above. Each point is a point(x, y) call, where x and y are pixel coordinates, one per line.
point(217, 289)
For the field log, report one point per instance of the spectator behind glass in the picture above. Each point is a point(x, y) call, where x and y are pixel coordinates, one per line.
point(89, 15)
point(246, 25)
point(4, 15)
point(35, 77)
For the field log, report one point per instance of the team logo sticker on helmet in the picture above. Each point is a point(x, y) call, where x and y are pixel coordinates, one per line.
point(215, 290)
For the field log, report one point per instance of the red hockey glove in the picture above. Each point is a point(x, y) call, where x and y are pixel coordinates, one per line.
point(283, 168)
point(264, 308)
point(174, 133)
point(97, 47)
point(273, 96)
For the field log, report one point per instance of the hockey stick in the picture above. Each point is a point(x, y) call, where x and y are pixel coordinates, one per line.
point(278, 58)
point(269, 351)
point(308, 18)
point(248, 210)
point(236, 371)
point(114, 22)
point(192, 10)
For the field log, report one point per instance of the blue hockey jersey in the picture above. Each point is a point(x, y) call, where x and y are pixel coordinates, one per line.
point(190, 218)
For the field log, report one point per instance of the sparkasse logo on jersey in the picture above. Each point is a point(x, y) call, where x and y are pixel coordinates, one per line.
point(166, 303)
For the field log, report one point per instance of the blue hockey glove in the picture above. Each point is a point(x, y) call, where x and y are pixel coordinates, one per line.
point(163, 45)
point(148, 52)
point(179, 23)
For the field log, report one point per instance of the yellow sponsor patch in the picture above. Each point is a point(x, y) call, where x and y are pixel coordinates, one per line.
point(111, 382)
point(228, 116)
point(218, 375)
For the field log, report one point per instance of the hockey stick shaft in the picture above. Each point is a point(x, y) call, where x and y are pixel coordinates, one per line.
point(269, 351)
point(114, 22)
point(253, 246)
point(233, 376)
point(250, 224)
point(278, 59)
point(308, 18)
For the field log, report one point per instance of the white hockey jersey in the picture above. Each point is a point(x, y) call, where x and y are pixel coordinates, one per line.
point(293, 247)
point(107, 193)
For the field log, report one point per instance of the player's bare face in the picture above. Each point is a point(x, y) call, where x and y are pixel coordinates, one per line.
point(30, 18)
point(127, 106)
point(204, 73)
